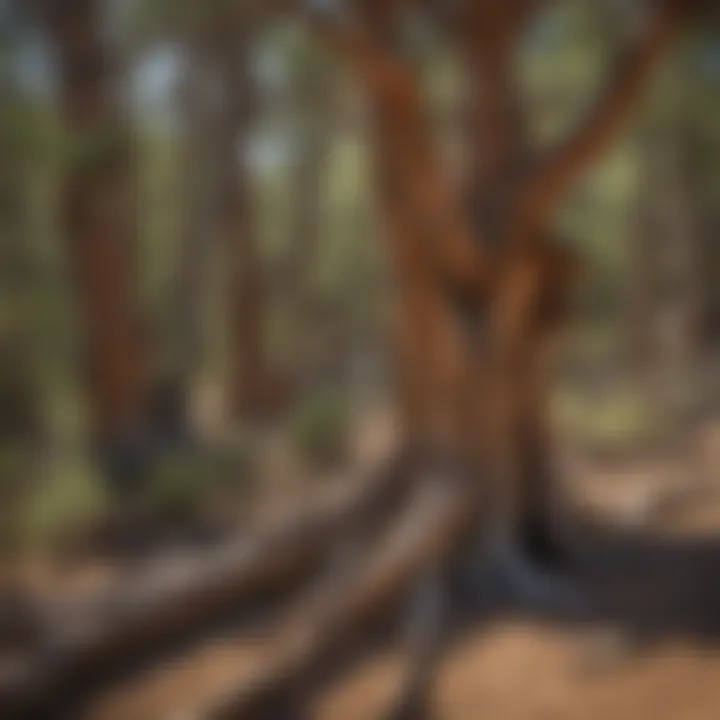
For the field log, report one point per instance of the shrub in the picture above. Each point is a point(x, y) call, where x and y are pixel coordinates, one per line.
point(319, 427)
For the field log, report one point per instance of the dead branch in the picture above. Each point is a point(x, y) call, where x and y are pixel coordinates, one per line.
point(168, 604)
point(427, 532)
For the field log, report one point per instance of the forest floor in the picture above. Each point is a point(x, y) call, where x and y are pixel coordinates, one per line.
point(649, 649)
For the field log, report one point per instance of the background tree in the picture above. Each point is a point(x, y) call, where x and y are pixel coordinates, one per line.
point(99, 224)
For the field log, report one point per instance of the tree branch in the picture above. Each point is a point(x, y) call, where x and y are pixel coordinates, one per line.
point(424, 535)
point(553, 176)
point(86, 649)
point(418, 174)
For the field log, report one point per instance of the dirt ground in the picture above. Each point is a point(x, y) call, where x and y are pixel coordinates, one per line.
point(515, 670)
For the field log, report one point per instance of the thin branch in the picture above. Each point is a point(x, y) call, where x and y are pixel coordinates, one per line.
point(85, 650)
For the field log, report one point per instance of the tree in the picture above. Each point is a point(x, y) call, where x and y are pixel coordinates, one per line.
point(312, 94)
point(218, 101)
point(473, 393)
point(670, 249)
point(98, 217)
point(20, 415)
point(249, 377)
point(200, 161)
point(644, 271)
point(479, 304)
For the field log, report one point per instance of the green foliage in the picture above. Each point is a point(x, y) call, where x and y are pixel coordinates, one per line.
point(234, 461)
point(614, 422)
point(156, 20)
point(16, 468)
point(67, 499)
point(187, 484)
point(320, 426)
point(101, 145)
point(177, 485)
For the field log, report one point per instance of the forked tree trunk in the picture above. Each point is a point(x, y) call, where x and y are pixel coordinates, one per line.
point(488, 36)
point(454, 386)
point(98, 218)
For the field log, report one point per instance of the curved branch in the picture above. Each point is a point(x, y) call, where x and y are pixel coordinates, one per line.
point(418, 174)
point(426, 532)
point(86, 649)
point(554, 175)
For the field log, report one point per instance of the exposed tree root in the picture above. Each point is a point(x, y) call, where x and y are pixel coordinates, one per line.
point(426, 534)
point(86, 648)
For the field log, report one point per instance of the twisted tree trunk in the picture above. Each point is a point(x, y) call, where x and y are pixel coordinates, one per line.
point(475, 331)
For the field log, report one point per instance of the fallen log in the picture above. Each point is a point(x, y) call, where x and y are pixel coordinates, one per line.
point(427, 533)
point(86, 649)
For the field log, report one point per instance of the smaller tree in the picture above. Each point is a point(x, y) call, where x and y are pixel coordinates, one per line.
point(98, 221)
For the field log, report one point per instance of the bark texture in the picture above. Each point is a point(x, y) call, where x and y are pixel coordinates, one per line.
point(98, 217)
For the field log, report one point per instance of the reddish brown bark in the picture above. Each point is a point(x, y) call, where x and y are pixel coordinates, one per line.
point(487, 35)
point(431, 247)
point(546, 185)
point(98, 220)
point(417, 180)
point(488, 399)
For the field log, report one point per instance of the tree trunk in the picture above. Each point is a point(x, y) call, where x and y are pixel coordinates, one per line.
point(201, 161)
point(495, 136)
point(249, 374)
point(20, 416)
point(686, 221)
point(498, 157)
point(99, 223)
point(681, 298)
point(312, 92)
point(644, 276)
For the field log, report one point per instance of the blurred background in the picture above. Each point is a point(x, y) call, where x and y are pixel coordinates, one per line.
point(187, 214)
